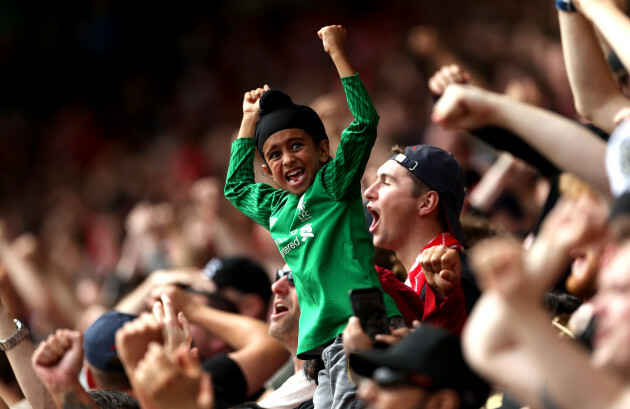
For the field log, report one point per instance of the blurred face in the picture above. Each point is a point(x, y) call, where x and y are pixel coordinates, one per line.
point(392, 206)
point(293, 159)
point(391, 397)
point(612, 312)
point(284, 320)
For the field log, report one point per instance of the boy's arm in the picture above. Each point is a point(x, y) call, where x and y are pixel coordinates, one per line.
point(251, 105)
point(333, 38)
point(241, 189)
point(345, 172)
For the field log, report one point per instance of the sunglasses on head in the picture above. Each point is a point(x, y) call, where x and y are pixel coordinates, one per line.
point(289, 274)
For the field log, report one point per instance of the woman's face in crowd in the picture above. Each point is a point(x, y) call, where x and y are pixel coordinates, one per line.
point(293, 159)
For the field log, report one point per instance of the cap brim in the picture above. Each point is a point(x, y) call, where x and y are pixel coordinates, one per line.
point(365, 363)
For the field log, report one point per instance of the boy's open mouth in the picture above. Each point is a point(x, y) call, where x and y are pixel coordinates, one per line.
point(295, 176)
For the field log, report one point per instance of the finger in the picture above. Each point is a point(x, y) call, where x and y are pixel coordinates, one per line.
point(205, 398)
point(158, 312)
point(266, 87)
point(185, 326)
point(449, 260)
point(54, 345)
point(387, 339)
point(433, 86)
point(169, 310)
point(448, 276)
point(436, 260)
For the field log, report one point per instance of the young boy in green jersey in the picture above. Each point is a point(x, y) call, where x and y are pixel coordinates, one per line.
point(316, 218)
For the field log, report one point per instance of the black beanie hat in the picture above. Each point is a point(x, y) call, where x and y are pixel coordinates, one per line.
point(277, 112)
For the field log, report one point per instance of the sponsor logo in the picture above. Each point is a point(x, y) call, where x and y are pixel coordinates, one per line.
point(290, 246)
point(306, 231)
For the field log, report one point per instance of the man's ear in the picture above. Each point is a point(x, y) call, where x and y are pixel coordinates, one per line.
point(443, 399)
point(429, 203)
point(323, 150)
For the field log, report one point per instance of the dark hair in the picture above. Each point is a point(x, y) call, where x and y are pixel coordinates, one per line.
point(312, 367)
point(111, 399)
point(560, 303)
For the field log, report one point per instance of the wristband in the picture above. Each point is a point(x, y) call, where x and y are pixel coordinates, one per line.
point(20, 334)
point(565, 5)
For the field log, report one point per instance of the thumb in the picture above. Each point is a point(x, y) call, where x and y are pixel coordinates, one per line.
point(205, 399)
point(448, 276)
point(448, 110)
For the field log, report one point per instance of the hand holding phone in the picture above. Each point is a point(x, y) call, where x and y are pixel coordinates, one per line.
point(369, 307)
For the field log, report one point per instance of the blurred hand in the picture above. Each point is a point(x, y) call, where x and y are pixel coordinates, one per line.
point(167, 382)
point(58, 360)
point(133, 339)
point(498, 265)
point(175, 326)
point(397, 334)
point(447, 75)
point(464, 106)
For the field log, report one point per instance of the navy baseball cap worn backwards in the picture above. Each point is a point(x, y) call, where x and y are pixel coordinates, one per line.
point(99, 341)
point(440, 171)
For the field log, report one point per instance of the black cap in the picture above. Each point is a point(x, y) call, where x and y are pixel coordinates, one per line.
point(277, 112)
point(440, 171)
point(428, 357)
point(240, 273)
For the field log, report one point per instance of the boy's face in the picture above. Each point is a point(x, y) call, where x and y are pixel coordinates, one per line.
point(293, 159)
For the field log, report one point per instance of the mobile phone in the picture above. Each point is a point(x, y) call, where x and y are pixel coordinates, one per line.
point(369, 307)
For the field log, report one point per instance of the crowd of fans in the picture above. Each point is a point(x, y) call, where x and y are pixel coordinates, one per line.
point(127, 278)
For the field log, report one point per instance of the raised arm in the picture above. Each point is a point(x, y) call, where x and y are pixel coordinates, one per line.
point(57, 362)
point(611, 20)
point(595, 90)
point(565, 143)
point(250, 112)
point(333, 39)
point(19, 356)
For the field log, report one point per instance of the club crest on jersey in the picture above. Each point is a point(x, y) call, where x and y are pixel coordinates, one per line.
point(303, 214)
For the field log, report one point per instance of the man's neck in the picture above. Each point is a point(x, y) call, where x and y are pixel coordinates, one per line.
point(408, 253)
